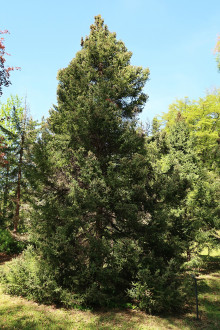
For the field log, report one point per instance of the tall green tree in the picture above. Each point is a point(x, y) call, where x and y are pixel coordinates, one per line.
point(4, 82)
point(94, 191)
point(18, 131)
point(191, 140)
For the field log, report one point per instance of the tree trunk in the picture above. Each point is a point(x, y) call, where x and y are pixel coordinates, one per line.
point(99, 227)
point(188, 255)
point(6, 192)
point(18, 193)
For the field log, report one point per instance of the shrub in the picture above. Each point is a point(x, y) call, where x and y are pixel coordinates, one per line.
point(8, 244)
point(32, 278)
point(156, 290)
point(165, 290)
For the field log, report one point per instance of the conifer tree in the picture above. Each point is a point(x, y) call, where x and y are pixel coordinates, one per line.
point(191, 195)
point(94, 191)
point(18, 130)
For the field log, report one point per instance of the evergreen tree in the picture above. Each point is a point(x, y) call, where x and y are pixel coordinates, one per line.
point(19, 133)
point(191, 198)
point(94, 193)
point(202, 121)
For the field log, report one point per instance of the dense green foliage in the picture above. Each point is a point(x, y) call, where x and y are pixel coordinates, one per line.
point(8, 244)
point(202, 118)
point(192, 192)
point(116, 215)
point(18, 131)
point(94, 194)
point(200, 154)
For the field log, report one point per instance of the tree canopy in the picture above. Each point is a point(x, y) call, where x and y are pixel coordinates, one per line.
point(203, 119)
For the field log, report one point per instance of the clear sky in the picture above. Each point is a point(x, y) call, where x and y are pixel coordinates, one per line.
point(174, 38)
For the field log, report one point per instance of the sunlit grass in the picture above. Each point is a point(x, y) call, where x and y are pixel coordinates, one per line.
point(209, 289)
point(211, 252)
point(17, 313)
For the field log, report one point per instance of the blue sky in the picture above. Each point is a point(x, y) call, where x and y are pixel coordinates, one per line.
point(175, 39)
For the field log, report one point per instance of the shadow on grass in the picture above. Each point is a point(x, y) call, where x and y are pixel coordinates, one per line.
point(21, 317)
point(211, 264)
point(25, 317)
point(29, 317)
point(122, 319)
point(208, 298)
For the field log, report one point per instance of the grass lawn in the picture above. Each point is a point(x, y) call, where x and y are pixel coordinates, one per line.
point(18, 313)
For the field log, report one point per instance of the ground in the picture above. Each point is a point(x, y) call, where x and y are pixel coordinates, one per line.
point(5, 257)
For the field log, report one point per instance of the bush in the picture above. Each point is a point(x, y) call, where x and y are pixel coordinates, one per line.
point(165, 290)
point(30, 277)
point(8, 244)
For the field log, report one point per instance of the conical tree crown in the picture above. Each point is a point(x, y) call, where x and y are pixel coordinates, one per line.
point(99, 93)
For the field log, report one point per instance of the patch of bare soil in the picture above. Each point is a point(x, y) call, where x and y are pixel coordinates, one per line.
point(5, 257)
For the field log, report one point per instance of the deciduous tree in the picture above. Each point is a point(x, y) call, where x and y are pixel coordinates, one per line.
point(4, 71)
point(203, 120)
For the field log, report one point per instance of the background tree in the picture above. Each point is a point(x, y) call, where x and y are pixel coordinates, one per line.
point(19, 132)
point(3, 146)
point(4, 71)
point(203, 120)
point(217, 51)
point(4, 81)
point(191, 136)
